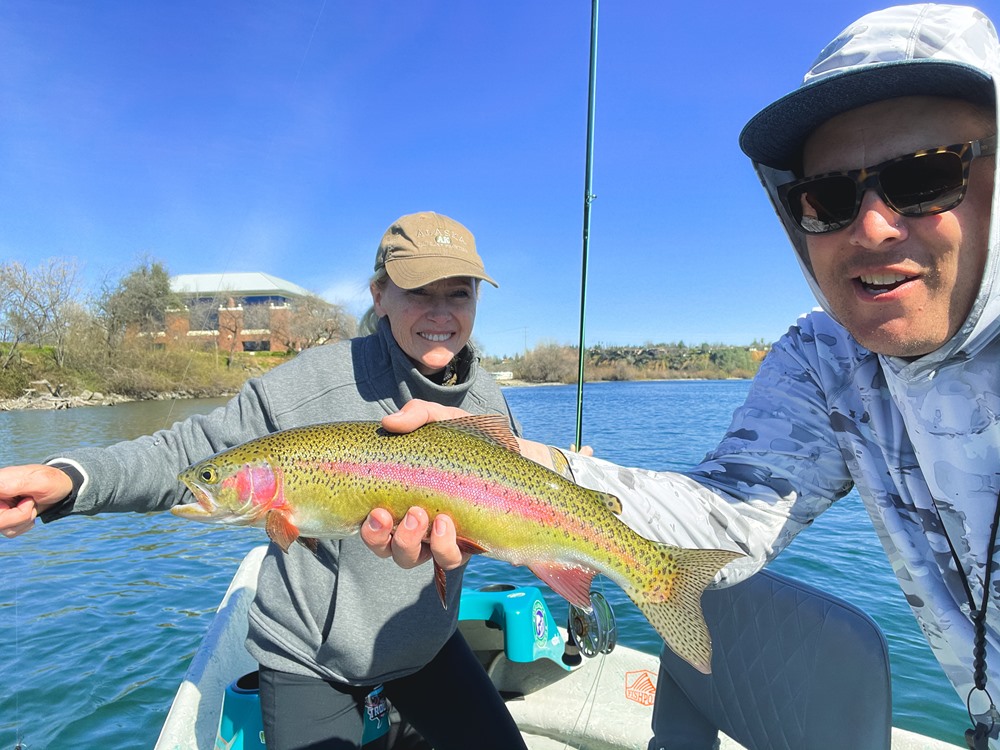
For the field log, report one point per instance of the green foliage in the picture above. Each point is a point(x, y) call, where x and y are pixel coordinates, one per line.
point(140, 300)
point(551, 363)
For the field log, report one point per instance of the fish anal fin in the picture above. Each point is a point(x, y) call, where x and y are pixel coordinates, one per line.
point(280, 529)
point(494, 428)
point(571, 582)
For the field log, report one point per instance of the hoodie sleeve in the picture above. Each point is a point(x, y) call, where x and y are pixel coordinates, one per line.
point(141, 475)
point(777, 468)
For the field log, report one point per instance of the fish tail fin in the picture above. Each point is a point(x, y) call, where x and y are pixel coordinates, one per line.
point(670, 598)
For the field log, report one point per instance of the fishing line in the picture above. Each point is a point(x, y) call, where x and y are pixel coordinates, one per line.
point(589, 702)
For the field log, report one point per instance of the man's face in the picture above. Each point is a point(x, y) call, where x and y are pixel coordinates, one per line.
point(902, 285)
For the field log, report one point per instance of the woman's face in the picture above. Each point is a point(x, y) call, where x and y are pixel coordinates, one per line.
point(431, 323)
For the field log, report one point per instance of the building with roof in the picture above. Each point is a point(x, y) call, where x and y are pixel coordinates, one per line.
point(233, 311)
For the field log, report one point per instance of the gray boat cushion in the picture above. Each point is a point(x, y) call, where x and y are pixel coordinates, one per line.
point(792, 667)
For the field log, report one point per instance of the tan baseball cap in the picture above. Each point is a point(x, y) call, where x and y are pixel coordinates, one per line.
point(421, 248)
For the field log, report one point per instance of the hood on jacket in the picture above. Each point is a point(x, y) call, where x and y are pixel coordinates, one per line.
point(909, 50)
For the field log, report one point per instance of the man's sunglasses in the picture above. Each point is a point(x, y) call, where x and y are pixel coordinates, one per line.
point(924, 183)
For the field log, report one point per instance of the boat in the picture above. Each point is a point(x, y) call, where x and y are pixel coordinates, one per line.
point(558, 700)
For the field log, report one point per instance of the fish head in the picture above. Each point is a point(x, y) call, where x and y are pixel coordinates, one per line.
point(230, 492)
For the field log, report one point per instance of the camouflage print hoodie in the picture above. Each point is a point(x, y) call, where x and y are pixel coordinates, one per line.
point(919, 439)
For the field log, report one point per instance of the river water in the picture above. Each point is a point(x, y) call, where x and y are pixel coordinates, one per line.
point(100, 616)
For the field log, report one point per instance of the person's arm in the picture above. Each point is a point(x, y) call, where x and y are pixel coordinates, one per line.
point(140, 475)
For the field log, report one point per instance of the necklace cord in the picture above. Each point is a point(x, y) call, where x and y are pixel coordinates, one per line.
point(978, 617)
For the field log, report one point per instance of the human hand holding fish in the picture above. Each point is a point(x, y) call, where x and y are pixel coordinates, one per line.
point(323, 481)
point(415, 539)
point(26, 491)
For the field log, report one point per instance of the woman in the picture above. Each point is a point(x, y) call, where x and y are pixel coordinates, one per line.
point(327, 627)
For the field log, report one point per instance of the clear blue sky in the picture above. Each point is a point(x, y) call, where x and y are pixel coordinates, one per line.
point(286, 136)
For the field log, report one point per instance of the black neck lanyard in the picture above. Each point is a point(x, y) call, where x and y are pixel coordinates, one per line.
point(977, 737)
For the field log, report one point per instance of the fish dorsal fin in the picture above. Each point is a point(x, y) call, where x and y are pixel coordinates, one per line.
point(494, 428)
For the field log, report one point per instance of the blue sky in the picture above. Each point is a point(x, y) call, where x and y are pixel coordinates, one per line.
point(285, 137)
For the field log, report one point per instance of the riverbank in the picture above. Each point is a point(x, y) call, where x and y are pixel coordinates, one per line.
point(43, 395)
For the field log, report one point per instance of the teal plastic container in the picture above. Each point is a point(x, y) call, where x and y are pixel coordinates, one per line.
point(240, 726)
point(529, 630)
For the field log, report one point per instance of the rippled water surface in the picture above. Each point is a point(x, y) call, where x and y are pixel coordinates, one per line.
point(99, 616)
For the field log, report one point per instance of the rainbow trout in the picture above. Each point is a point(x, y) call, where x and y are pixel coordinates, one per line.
point(320, 482)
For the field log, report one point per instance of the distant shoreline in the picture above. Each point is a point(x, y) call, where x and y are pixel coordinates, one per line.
point(51, 402)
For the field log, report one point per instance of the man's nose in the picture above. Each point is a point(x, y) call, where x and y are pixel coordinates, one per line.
point(876, 222)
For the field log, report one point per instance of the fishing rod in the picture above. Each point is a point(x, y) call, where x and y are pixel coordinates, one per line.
point(588, 198)
point(591, 630)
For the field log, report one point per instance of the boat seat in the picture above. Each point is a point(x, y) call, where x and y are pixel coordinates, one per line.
point(792, 667)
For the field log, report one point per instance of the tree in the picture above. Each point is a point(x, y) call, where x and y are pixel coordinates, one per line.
point(313, 321)
point(548, 363)
point(16, 295)
point(35, 306)
point(139, 301)
point(57, 292)
point(731, 359)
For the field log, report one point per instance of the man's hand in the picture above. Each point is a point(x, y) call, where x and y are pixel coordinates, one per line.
point(26, 491)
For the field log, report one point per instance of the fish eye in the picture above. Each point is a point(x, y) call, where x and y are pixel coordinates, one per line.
point(208, 474)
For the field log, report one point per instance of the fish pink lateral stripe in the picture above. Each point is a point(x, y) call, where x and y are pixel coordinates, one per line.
point(478, 491)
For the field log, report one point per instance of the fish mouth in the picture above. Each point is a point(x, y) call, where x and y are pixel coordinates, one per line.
point(205, 509)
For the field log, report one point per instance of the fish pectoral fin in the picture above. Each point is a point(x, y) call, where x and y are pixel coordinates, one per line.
point(280, 530)
point(469, 547)
point(571, 582)
point(309, 543)
point(494, 428)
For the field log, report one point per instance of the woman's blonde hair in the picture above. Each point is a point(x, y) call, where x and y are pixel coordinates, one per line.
point(368, 323)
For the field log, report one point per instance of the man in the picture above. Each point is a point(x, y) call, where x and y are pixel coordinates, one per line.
point(881, 166)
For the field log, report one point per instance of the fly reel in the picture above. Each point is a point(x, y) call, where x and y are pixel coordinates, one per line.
point(593, 628)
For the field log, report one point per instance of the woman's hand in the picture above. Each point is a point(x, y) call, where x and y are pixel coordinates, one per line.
point(415, 540)
point(26, 491)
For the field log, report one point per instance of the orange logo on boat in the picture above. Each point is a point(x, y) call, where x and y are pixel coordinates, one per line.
point(639, 687)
